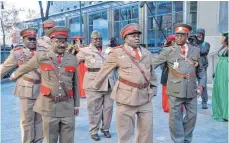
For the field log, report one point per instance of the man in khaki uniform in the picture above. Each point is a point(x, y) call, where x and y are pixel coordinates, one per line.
point(58, 100)
point(184, 68)
point(135, 88)
point(27, 87)
point(100, 105)
point(44, 43)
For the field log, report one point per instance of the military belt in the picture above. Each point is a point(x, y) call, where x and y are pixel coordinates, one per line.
point(180, 75)
point(135, 85)
point(59, 98)
point(31, 80)
point(93, 69)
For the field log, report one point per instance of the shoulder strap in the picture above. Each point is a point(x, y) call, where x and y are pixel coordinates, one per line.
point(183, 56)
point(135, 62)
point(58, 76)
point(100, 55)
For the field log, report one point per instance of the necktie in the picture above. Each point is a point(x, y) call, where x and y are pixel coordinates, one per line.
point(59, 58)
point(137, 56)
point(183, 50)
point(100, 50)
point(32, 52)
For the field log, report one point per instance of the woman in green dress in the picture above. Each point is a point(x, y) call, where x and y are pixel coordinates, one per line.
point(220, 89)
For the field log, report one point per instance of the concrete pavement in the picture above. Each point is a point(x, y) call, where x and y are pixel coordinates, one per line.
point(207, 130)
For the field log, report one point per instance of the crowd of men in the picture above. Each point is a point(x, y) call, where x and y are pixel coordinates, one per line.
point(48, 89)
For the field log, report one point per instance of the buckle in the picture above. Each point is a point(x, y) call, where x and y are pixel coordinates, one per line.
point(57, 98)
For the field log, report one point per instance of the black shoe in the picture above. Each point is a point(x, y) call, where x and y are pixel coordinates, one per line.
point(95, 137)
point(205, 106)
point(106, 133)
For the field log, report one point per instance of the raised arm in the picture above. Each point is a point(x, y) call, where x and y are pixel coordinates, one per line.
point(80, 56)
point(161, 58)
point(9, 64)
point(110, 64)
point(32, 64)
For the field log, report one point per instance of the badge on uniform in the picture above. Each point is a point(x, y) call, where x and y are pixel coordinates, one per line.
point(108, 50)
point(92, 60)
point(175, 65)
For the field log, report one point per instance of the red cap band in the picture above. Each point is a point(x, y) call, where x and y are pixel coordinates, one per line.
point(127, 31)
point(29, 34)
point(58, 33)
point(182, 29)
point(48, 25)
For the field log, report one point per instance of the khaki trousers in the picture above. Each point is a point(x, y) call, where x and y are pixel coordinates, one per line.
point(30, 122)
point(62, 128)
point(100, 108)
point(125, 121)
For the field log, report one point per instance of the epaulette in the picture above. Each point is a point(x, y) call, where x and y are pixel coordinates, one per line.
point(17, 48)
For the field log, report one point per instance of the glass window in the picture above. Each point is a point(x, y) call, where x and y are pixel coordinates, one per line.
point(60, 23)
point(178, 18)
point(98, 21)
point(134, 12)
point(124, 16)
point(116, 15)
point(178, 6)
point(125, 13)
point(164, 7)
point(152, 6)
point(74, 25)
point(193, 6)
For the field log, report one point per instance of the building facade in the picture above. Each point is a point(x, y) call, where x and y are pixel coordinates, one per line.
point(109, 17)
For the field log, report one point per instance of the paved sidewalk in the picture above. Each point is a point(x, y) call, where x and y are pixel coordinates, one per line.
point(207, 130)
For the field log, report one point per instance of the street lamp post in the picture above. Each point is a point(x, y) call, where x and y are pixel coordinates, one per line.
point(80, 22)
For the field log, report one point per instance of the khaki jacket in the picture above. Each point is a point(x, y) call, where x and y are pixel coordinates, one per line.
point(127, 70)
point(93, 59)
point(18, 57)
point(51, 86)
point(176, 86)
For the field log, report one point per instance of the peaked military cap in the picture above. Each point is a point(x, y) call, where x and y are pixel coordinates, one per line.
point(225, 34)
point(130, 29)
point(96, 34)
point(49, 23)
point(29, 32)
point(182, 28)
point(58, 32)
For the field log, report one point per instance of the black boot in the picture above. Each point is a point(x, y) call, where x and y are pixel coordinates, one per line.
point(95, 137)
point(204, 106)
point(106, 133)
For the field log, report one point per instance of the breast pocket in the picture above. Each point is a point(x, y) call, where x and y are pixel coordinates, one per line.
point(46, 70)
point(70, 70)
point(175, 85)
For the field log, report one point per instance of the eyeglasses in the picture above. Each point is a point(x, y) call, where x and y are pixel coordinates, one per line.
point(32, 39)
